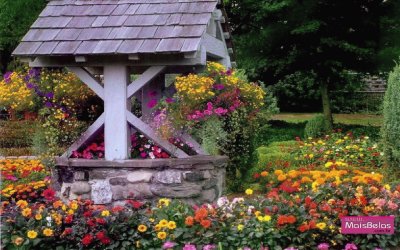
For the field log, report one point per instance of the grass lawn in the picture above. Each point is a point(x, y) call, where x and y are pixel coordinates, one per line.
point(348, 119)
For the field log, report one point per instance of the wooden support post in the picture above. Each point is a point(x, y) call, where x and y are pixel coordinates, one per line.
point(116, 78)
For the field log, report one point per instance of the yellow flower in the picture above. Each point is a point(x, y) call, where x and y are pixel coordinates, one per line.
point(163, 223)
point(164, 202)
point(32, 234)
point(74, 206)
point(70, 211)
point(240, 227)
point(387, 187)
point(257, 213)
point(321, 225)
point(171, 225)
point(278, 172)
point(105, 213)
point(26, 212)
point(267, 218)
point(22, 203)
point(249, 191)
point(38, 217)
point(18, 241)
point(328, 164)
point(142, 228)
point(161, 235)
point(281, 177)
point(157, 227)
point(260, 218)
point(311, 156)
point(47, 232)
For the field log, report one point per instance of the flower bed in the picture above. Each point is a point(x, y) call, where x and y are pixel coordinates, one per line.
point(289, 216)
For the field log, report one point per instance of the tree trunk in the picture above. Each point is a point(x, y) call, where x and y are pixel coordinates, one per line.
point(326, 104)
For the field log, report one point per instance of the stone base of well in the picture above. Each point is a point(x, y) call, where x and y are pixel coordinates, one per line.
point(195, 180)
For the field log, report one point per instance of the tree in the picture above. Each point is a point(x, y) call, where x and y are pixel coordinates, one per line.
point(16, 16)
point(275, 38)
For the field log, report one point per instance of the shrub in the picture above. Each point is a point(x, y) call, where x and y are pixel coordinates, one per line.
point(316, 126)
point(391, 123)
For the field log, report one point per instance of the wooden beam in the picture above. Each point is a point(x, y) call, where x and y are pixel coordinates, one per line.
point(145, 78)
point(196, 146)
point(80, 59)
point(115, 108)
point(86, 136)
point(213, 46)
point(88, 79)
point(147, 131)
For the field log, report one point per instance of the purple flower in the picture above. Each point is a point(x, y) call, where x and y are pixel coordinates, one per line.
point(323, 246)
point(48, 104)
point(50, 95)
point(189, 247)
point(7, 76)
point(209, 247)
point(219, 86)
point(350, 246)
point(168, 245)
point(34, 72)
point(228, 72)
point(170, 100)
point(30, 85)
point(152, 103)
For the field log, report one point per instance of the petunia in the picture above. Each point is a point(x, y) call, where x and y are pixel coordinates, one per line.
point(168, 244)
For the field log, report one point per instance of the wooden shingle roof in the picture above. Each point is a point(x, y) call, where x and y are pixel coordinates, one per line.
point(104, 27)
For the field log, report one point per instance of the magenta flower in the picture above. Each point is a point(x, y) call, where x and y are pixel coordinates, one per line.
point(209, 106)
point(219, 86)
point(143, 155)
point(323, 246)
point(209, 247)
point(152, 93)
point(168, 245)
point(220, 111)
point(170, 100)
point(189, 247)
point(152, 103)
point(350, 246)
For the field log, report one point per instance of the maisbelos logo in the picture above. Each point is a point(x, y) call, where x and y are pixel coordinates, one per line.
point(368, 225)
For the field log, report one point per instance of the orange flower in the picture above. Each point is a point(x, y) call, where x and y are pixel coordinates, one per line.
point(200, 214)
point(205, 223)
point(189, 221)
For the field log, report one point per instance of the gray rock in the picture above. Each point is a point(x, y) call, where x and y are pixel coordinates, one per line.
point(193, 176)
point(140, 176)
point(133, 191)
point(118, 181)
point(80, 187)
point(80, 176)
point(210, 183)
point(187, 190)
point(208, 195)
point(101, 191)
point(206, 174)
point(168, 177)
point(107, 173)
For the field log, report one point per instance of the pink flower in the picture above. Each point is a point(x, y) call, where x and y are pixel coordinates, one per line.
point(207, 112)
point(323, 246)
point(152, 103)
point(209, 247)
point(189, 247)
point(350, 246)
point(392, 205)
point(379, 202)
point(168, 245)
point(143, 154)
point(220, 111)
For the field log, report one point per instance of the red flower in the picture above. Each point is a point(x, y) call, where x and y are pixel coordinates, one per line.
point(67, 231)
point(100, 235)
point(303, 227)
point(87, 239)
point(205, 223)
point(87, 214)
point(135, 204)
point(91, 223)
point(256, 175)
point(49, 194)
point(117, 209)
point(105, 241)
point(101, 221)
point(68, 219)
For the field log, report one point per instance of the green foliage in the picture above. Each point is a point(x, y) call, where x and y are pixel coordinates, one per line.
point(213, 136)
point(16, 134)
point(316, 126)
point(16, 16)
point(391, 123)
point(277, 131)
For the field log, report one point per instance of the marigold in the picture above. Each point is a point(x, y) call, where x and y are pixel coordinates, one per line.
point(264, 173)
point(161, 235)
point(200, 214)
point(281, 177)
point(32, 234)
point(163, 223)
point(38, 217)
point(205, 223)
point(47, 232)
point(142, 228)
point(189, 221)
point(22, 203)
point(26, 212)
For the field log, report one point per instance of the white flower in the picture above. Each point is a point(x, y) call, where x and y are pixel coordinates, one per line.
point(49, 220)
point(222, 201)
point(152, 155)
point(237, 200)
point(250, 210)
point(147, 146)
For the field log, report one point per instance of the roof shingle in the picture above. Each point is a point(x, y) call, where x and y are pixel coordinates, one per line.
point(85, 27)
